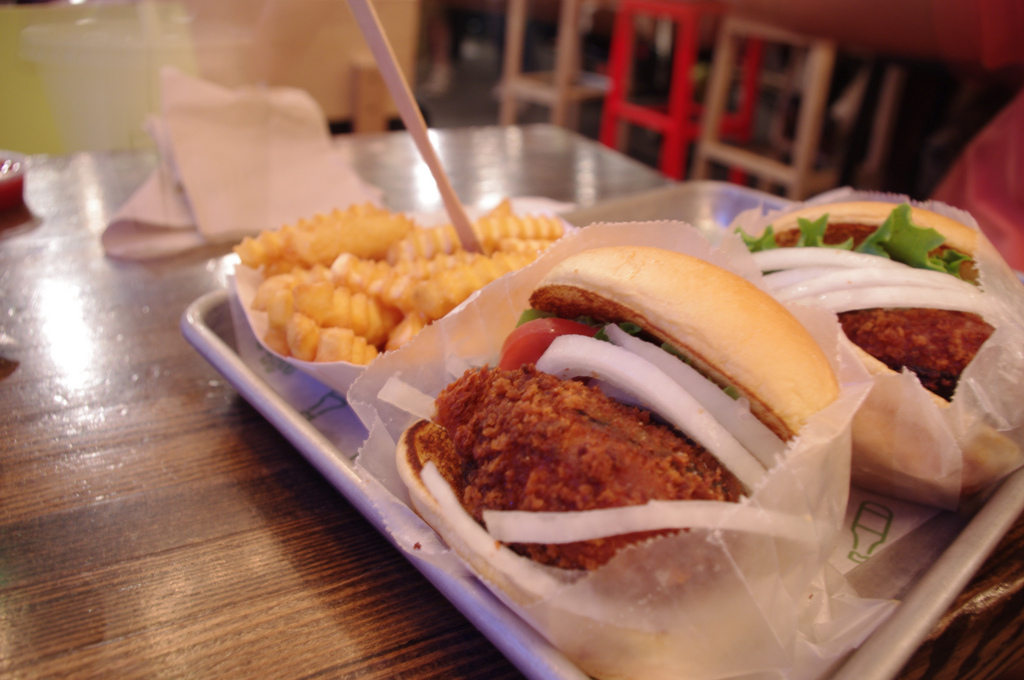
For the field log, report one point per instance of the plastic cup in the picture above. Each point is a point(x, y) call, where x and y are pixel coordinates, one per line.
point(102, 77)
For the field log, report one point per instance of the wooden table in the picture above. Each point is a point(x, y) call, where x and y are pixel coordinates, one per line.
point(152, 523)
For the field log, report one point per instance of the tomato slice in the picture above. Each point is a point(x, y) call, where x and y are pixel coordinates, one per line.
point(529, 341)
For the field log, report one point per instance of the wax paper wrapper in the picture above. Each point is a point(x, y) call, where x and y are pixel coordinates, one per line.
point(720, 600)
point(909, 445)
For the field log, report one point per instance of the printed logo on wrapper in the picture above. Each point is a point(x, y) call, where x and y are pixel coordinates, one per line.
point(875, 523)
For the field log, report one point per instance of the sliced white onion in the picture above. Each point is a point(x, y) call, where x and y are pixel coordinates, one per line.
point(733, 414)
point(872, 278)
point(899, 296)
point(787, 277)
point(518, 526)
point(537, 581)
point(618, 394)
point(571, 356)
point(402, 395)
point(789, 258)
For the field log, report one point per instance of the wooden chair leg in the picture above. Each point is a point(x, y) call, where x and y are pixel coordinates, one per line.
point(871, 172)
point(515, 34)
point(567, 47)
point(715, 98)
point(370, 98)
point(813, 102)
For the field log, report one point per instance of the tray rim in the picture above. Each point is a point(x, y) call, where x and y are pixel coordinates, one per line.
point(881, 656)
point(525, 648)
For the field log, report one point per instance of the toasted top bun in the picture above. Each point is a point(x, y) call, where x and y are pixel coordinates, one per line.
point(732, 331)
point(958, 236)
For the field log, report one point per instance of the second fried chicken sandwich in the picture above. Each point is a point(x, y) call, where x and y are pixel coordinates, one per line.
point(905, 282)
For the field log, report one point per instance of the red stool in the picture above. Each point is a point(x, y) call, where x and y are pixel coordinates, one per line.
point(679, 120)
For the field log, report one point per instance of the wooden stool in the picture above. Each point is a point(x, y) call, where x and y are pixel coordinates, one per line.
point(678, 121)
point(562, 89)
point(798, 175)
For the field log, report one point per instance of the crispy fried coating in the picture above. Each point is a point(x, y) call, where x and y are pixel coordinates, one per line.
point(936, 344)
point(531, 441)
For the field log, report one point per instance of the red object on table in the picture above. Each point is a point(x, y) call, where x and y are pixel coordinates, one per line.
point(12, 181)
point(679, 121)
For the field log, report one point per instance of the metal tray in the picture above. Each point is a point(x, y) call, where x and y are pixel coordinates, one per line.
point(925, 570)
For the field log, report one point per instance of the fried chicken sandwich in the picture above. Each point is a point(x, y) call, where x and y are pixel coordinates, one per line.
point(906, 285)
point(644, 465)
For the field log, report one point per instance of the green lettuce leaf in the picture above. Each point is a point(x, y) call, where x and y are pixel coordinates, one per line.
point(531, 315)
point(912, 244)
point(897, 238)
point(756, 244)
point(812, 234)
point(875, 243)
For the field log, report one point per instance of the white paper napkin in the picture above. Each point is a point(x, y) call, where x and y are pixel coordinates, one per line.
point(233, 162)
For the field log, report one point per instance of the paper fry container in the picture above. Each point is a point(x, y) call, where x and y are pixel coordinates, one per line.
point(338, 375)
point(910, 445)
point(746, 590)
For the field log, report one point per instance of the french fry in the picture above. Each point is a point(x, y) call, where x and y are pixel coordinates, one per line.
point(270, 287)
point(438, 295)
point(355, 273)
point(422, 268)
point(492, 230)
point(425, 243)
point(522, 245)
point(276, 338)
point(363, 230)
point(365, 315)
point(315, 300)
point(281, 308)
point(354, 282)
point(343, 344)
point(262, 250)
point(406, 330)
point(303, 337)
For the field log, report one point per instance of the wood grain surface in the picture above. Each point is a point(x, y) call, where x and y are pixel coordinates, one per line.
point(153, 524)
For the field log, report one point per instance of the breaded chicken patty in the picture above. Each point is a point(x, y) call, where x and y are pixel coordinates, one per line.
point(936, 344)
point(531, 441)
